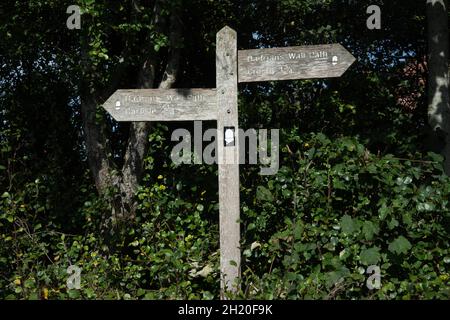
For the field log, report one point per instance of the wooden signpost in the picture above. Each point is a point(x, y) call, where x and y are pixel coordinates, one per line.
point(228, 156)
point(232, 66)
point(162, 105)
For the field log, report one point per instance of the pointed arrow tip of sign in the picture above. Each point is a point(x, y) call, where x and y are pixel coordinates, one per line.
point(350, 57)
point(226, 29)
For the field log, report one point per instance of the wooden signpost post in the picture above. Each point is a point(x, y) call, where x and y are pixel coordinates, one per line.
point(228, 156)
point(232, 66)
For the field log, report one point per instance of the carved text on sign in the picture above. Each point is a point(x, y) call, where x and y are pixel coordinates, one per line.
point(162, 104)
point(306, 62)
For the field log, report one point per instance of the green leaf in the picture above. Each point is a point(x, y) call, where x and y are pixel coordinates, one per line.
point(298, 230)
point(400, 245)
point(407, 219)
point(29, 283)
point(207, 295)
point(264, 194)
point(347, 224)
point(73, 294)
point(435, 157)
point(89, 293)
point(423, 207)
point(370, 256)
point(33, 296)
point(287, 193)
point(393, 223)
point(205, 271)
point(135, 243)
point(384, 211)
point(369, 230)
point(149, 296)
point(140, 292)
point(334, 277)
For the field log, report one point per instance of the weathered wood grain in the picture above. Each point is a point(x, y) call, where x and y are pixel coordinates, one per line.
point(228, 156)
point(162, 104)
point(305, 62)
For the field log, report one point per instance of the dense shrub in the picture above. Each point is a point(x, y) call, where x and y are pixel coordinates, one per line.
point(311, 231)
point(318, 225)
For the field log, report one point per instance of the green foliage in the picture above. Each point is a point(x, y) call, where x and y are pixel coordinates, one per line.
point(311, 231)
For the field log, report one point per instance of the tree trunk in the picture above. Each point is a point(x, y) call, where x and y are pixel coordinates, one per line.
point(119, 185)
point(438, 95)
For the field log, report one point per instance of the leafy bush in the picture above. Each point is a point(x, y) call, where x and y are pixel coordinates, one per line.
point(314, 229)
point(311, 231)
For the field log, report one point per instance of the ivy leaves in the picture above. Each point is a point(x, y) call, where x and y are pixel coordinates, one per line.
point(349, 210)
point(368, 228)
point(348, 225)
point(400, 245)
point(263, 194)
point(370, 256)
